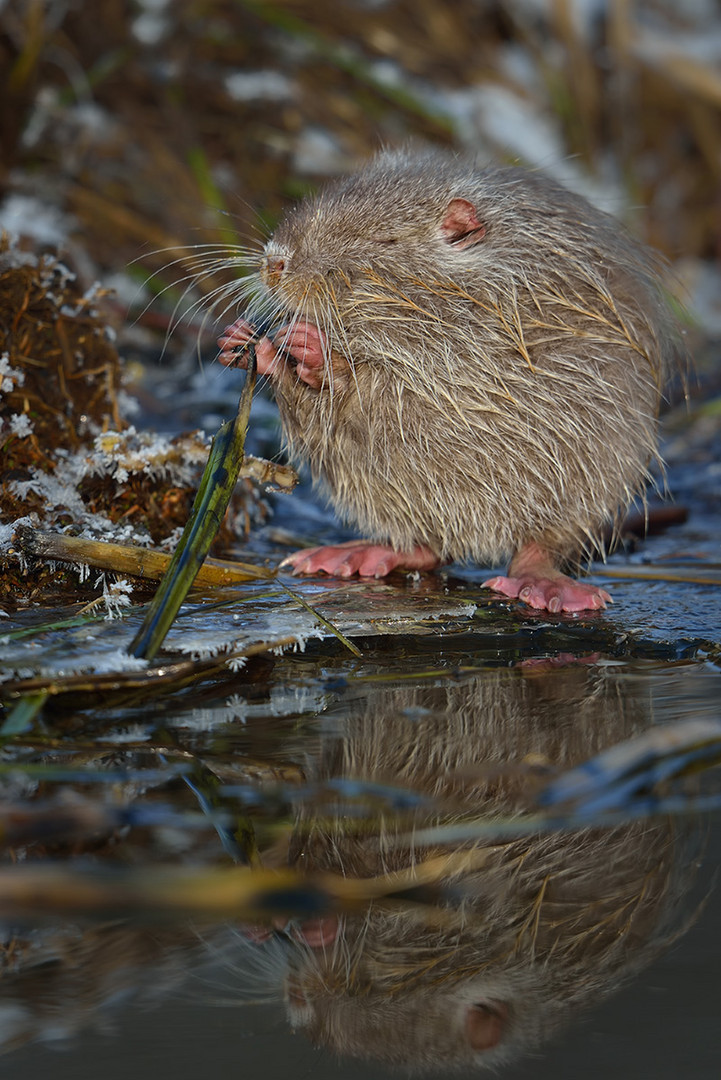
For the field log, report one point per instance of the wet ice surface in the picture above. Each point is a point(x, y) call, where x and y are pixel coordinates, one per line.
point(594, 947)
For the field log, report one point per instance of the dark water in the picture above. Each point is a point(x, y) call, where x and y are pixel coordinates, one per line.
point(591, 938)
point(522, 810)
point(664, 1025)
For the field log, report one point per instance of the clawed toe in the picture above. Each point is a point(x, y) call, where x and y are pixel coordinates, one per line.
point(556, 594)
point(365, 559)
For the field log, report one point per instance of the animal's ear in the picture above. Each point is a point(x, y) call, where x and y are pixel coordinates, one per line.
point(460, 226)
point(485, 1025)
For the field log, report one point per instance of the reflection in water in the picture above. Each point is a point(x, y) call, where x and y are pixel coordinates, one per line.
point(541, 926)
point(527, 930)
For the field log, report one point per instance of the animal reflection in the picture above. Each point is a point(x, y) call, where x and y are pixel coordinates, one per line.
point(536, 928)
point(524, 932)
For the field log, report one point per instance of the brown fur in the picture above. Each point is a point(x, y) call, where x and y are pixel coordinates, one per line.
point(501, 392)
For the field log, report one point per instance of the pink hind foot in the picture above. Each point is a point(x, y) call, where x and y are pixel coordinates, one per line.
point(534, 579)
point(359, 557)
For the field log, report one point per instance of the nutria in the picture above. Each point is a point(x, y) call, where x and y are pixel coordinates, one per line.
point(471, 360)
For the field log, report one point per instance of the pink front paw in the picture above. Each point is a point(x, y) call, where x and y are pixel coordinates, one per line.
point(556, 593)
point(300, 348)
point(307, 345)
point(317, 364)
point(232, 343)
point(359, 557)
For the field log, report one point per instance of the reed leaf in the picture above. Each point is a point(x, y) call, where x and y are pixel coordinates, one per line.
point(211, 502)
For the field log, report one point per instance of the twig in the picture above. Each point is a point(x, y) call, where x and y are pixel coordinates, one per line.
point(138, 562)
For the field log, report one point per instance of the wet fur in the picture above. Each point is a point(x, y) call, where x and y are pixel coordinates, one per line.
point(498, 394)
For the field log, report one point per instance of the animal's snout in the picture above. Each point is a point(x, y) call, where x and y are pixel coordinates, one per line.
point(274, 267)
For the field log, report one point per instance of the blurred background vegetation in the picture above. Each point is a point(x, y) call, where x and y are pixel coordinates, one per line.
point(131, 126)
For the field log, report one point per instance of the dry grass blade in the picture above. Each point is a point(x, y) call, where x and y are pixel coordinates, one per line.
point(689, 74)
point(323, 621)
point(128, 558)
point(693, 575)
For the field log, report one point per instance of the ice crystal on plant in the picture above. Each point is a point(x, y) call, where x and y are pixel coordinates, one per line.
point(116, 596)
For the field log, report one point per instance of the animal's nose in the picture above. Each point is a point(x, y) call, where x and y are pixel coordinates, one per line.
point(274, 267)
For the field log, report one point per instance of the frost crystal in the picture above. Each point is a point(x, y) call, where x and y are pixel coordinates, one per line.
point(205, 644)
point(116, 597)
point(259, 86)
point(10, 377)
point(132, 733)
point(23, 215)
point(119, 454)
point(21, 425)
point(8, 531)
point(237, 706)
point(117, 660)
